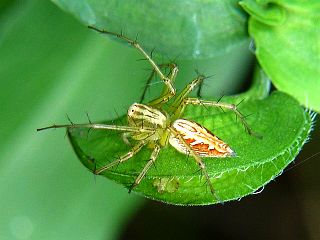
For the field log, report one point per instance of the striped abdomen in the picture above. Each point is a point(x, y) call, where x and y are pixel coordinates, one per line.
point(199, 139)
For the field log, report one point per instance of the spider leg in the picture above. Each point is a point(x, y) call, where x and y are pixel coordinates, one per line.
point(147, 86)
point(231, 107)
point(172, 75)
point(153, 158)
point(165, 95)
point(135, 44)
point(199, 92)
point(197, 159)
point(101, 126)
point(178, 105)
point(122, 158)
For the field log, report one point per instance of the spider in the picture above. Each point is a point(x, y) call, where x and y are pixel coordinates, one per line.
point(152, 126)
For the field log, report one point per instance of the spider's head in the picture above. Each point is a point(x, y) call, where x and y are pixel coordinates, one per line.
point(144, 115)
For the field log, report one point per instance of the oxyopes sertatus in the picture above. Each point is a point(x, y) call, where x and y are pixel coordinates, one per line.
point(160, 123)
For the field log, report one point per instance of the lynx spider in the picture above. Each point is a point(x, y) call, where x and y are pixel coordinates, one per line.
point(149, 124)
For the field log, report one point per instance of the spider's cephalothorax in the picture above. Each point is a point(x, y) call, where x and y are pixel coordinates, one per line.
point(141, 115)
point(149, 124)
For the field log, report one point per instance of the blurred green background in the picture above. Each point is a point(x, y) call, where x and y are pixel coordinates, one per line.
point(50, 66)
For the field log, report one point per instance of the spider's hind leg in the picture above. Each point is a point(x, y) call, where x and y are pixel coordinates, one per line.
point(199, 162)
point(231, 107)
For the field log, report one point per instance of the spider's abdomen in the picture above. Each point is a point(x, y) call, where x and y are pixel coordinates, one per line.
point(141, 115)
point(199, 139)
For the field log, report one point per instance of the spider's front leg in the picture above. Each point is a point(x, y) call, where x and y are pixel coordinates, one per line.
point(132, 129)
point(153, 158)
point(177, 107)
point(166, 93)
point(167, 81)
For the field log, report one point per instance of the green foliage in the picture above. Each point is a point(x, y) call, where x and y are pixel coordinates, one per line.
point(196, 29)
point(285, 32)
point(50, 65)
point(175, 178)
point(287, 38)
point(287, 52)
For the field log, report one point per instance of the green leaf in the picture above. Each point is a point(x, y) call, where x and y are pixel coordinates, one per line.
point(175, 179)
point(287, 39)
point(196, 29)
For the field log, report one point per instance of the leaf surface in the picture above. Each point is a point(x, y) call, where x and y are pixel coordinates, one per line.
point(175, 178)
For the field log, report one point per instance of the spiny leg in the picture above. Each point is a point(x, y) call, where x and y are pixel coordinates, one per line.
point(135, 44)
point(153, 158)
point(172, 75)
point(199, 91)
point(147, 86)
point(178, 105)
point(122, 158)
point(197, 159)
point(198, 81)
point(102, 127)
point(163, 98)
point(232, 107)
